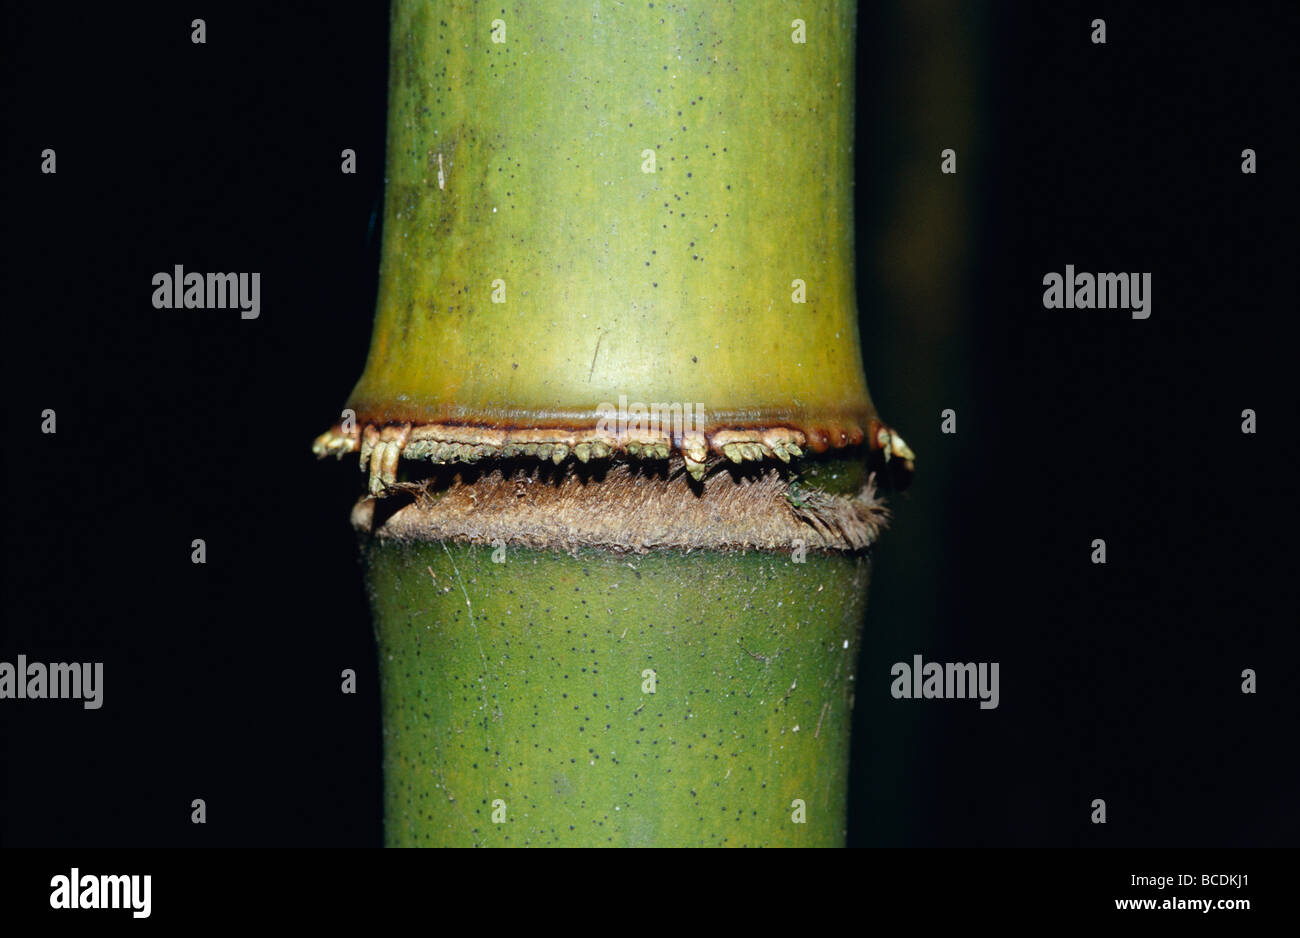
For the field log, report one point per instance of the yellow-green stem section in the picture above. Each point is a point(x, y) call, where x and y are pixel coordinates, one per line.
point(672, 699)
point(640, 185)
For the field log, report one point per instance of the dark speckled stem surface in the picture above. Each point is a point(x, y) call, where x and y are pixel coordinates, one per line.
point(516, 709)
point(618, 199)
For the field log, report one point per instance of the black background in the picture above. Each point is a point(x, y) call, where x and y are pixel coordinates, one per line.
point(1119, 682)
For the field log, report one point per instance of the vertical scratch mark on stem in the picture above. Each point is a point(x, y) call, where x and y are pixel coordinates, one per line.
point(473, 625)
point(592, 369)
point(819, 719)
point(441, 178)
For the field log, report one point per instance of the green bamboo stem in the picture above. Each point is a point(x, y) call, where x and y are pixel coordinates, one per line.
point(521, 691)
point(591, 204)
